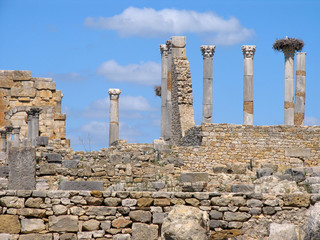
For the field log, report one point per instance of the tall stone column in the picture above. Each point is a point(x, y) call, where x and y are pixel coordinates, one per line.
point(114, 115)
point(300, 93)
point(33, 124)
point(164, 77)
point(248, 53)
point(168, 133)
point(29, 125)
point(3, 146)
point(16, 132)
point(207, 53)
point(288, 85)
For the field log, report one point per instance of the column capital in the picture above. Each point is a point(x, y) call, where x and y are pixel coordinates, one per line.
point(34, 111)
point(248, 50)
point(3, 133)
point(207, 50)
point(16, 129)
point(169, 46)
point(164, 50)
point(114, 92)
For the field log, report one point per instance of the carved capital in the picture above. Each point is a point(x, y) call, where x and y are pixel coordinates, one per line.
point(114, 93)
point(169, 46)
point(164, 50)
point(248, 50)
point(9, 129)
point(208, 51)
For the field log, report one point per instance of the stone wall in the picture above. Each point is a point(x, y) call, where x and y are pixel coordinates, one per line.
point(139, 215)
point(19, 92)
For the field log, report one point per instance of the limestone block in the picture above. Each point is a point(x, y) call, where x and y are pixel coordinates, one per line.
point(34, 202)
point(42, 141)
point(297, 152)
point(121, 222)
point(129, 202)
point(31, 212)
point(112, 202)
point(35, 236)
point(144, 231)
point(6, 82)
point(45, 94)
point(22, 92)
point(32, 225)
point(21, 75)
point(12, 202)
point(70, 163)
point(236, 216)
point(60, 117)
point(59, 209)
point(91, 225)
point(40, 79)
point(101, 211)
point(27, 84)
point(282, 232)
point(64, 223)
point(5, 236)
point(140, 216)
point(4, 171)
point(45, 85)
point(157, 218)
point(81, 185)
point(264, 172)
point(122, 237)
point(178, 41)
point(53, 158)
point(9, 224)
point(297, 199)
point(48, 169)
point(194, 177)
point(242, 188)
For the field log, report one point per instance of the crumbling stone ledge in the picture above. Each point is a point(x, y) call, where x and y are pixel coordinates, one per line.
point(34, 214)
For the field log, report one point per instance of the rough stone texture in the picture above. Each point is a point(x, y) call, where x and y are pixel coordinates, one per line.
point(140, 216)
point(296, 200)
point(91, 225)
point(9, 224)
point(63, 223)
point(81, 185)
point(282, 232)
point(194, 177)
point(185, 222)
point(22, 168)
point(53, 158)
point(35, 236)
point(32, 225)
point(144, 231)
point(313, 226)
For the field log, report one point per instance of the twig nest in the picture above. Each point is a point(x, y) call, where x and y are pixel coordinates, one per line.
point(287, 43)
point(157, 90)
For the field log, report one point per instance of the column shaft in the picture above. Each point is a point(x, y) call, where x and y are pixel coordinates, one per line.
point(248, 53)
point(16, 132)
point(288, 86)
point(3, 146)
point(168, 129)
point(114, 115)
point(164, 76)
point(299, 104)
point(207, 101)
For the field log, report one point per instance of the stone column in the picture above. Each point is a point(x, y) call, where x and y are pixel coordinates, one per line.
point(35, 125)
point(16, 132)
point(164, 77)
point(300, 93)
point(168, 132)
point(3, 146)
point(207, 53)
point(288, 85)
point(248, 53)
point(29, 124)
point(114, 115)
point(9, 137)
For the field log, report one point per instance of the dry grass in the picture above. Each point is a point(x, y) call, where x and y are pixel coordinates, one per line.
point(157, 90)
point(281, 44)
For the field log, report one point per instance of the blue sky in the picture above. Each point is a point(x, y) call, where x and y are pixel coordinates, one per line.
point(88, 47)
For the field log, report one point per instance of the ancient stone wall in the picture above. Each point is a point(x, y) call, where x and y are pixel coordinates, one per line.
point(139, 215)
point(182, 100)
point(19, 92)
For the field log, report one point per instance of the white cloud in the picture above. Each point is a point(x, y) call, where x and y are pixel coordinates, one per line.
point(310, 121)
point(148, 22)
point(145, 73)
point(127, 105)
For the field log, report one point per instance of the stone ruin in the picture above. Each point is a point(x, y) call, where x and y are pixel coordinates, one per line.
point(214, 181)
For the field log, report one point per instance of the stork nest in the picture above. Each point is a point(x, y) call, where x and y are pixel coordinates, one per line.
point(286, 43)
point(157, 90)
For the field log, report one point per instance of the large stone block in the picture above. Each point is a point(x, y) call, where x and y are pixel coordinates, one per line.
point(22, 92)
point(21, 75)
point(64, 223)
point(35, 236)
point(9, 224)
point(4, 171)
point(45, 85)
point(101, 211)
point(70, 163)
point(144, 231)
point(282, 232)
point(296, 200)
point(194, 177)
point(22, 168)
point(53, 158)
point(297, 152)
point(6, 82)
point(32, 225)
point(81, 185)
point(42, 141)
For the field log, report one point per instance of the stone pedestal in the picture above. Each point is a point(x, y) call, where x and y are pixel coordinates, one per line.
point(207, 52)
point(248, 53)
point(164, 77)
point(288, 86)
point(22, 168)
point(114, 115)
point(300, 93)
